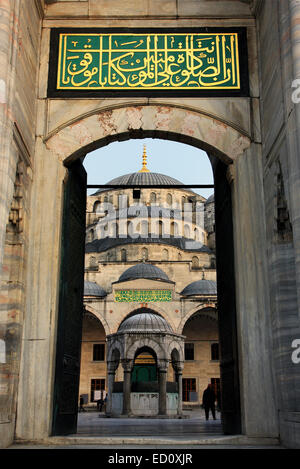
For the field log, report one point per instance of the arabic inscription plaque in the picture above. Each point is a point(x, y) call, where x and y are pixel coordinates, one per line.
point(147, 61)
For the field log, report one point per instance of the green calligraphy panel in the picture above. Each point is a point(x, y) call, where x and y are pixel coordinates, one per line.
point(154, 61)
point(142, 296)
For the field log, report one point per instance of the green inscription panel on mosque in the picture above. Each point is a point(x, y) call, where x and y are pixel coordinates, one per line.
point(203, 60)
point(142, 296)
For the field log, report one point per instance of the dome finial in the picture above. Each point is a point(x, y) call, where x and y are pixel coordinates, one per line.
point(144, 167)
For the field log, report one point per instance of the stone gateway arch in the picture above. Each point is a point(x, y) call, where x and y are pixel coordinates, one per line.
point(252, 140)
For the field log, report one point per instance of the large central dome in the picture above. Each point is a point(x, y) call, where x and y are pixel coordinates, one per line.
point(142, 179)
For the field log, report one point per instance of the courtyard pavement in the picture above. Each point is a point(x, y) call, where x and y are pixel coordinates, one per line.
point(96, 431)
point(95, 423)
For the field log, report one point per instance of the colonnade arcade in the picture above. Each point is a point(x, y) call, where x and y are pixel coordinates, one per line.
point(145, 331)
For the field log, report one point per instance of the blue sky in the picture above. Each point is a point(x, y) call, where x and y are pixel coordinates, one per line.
point(183, 162)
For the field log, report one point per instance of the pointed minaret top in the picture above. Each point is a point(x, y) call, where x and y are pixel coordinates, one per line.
point(144, 167)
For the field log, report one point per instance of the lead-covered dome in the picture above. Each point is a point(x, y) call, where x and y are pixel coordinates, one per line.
point(146, 321)
point(93, 289)
point(200, 287)
point(142, 179)
point(143, 270)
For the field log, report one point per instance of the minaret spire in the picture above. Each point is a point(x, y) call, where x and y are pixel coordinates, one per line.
point(144, 167)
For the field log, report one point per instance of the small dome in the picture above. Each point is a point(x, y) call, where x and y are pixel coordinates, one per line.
point(143, 270)
point(200, 287)
point(93, 289)
point(210, 199)
point(146, 321)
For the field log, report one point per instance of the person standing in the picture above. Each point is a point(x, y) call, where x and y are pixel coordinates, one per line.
point(81, 402)
point(208, 402)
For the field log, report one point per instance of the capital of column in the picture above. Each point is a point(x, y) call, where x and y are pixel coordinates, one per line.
point(127, 365)
point(163, 366)
point(179, 368)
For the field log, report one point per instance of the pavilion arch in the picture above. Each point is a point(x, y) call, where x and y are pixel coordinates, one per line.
point(77, 138)
point(204, 309)
point(177, 347)
point(112, 352)
point(149, 343)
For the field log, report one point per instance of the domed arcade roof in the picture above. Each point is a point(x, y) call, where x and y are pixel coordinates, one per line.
point(93, 289)
point(200, 287)
point(143, 270)
point(145, 321)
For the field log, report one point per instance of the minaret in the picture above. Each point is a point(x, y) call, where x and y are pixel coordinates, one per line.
point(144, 167)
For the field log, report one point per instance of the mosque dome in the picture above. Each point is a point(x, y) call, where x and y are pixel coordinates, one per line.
point(93, 289)
point(145, 321)
point(143, 270)
point(142, 178)
point(200, 287)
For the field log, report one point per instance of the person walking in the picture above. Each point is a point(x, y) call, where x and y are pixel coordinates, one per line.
point(81, 402)
point(208, 402)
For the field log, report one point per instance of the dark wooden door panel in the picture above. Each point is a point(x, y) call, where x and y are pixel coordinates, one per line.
point(70, 303)
point(230, 396)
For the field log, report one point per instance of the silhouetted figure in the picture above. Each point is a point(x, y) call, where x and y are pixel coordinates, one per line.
point(81, 402)
point(100, 403)
point(208, 402)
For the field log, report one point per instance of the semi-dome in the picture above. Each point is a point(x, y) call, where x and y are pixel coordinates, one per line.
point(93, 289)
point(145, 321)
point(200, 287)
point(143, 270)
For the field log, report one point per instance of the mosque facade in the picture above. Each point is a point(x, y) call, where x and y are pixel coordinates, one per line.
point(151, 251)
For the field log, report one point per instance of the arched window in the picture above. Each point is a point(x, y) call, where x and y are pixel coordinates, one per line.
point(144, 229)
point(169, 199)
point(105, 200)
point(145, 254)
point(174, 229)
point(93, 265)
point(153, 198)
point(160, 228)
point(187, 231)
point(195, 262)
point(165, 255)
point(90, 236)
point(196, 234)
point(123, 255)
point(179, 256)
point(214, 351)
point(96, 207)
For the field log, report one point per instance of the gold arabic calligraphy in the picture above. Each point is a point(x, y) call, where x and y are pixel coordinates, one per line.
point(148, 61)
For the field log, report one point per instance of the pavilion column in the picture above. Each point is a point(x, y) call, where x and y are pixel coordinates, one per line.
point(163, 369)
point(111, 371)
point(127, 367)
point(179, 370)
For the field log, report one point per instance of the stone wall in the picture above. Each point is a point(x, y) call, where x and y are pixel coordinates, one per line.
point(20, 26)
point(278, 58)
